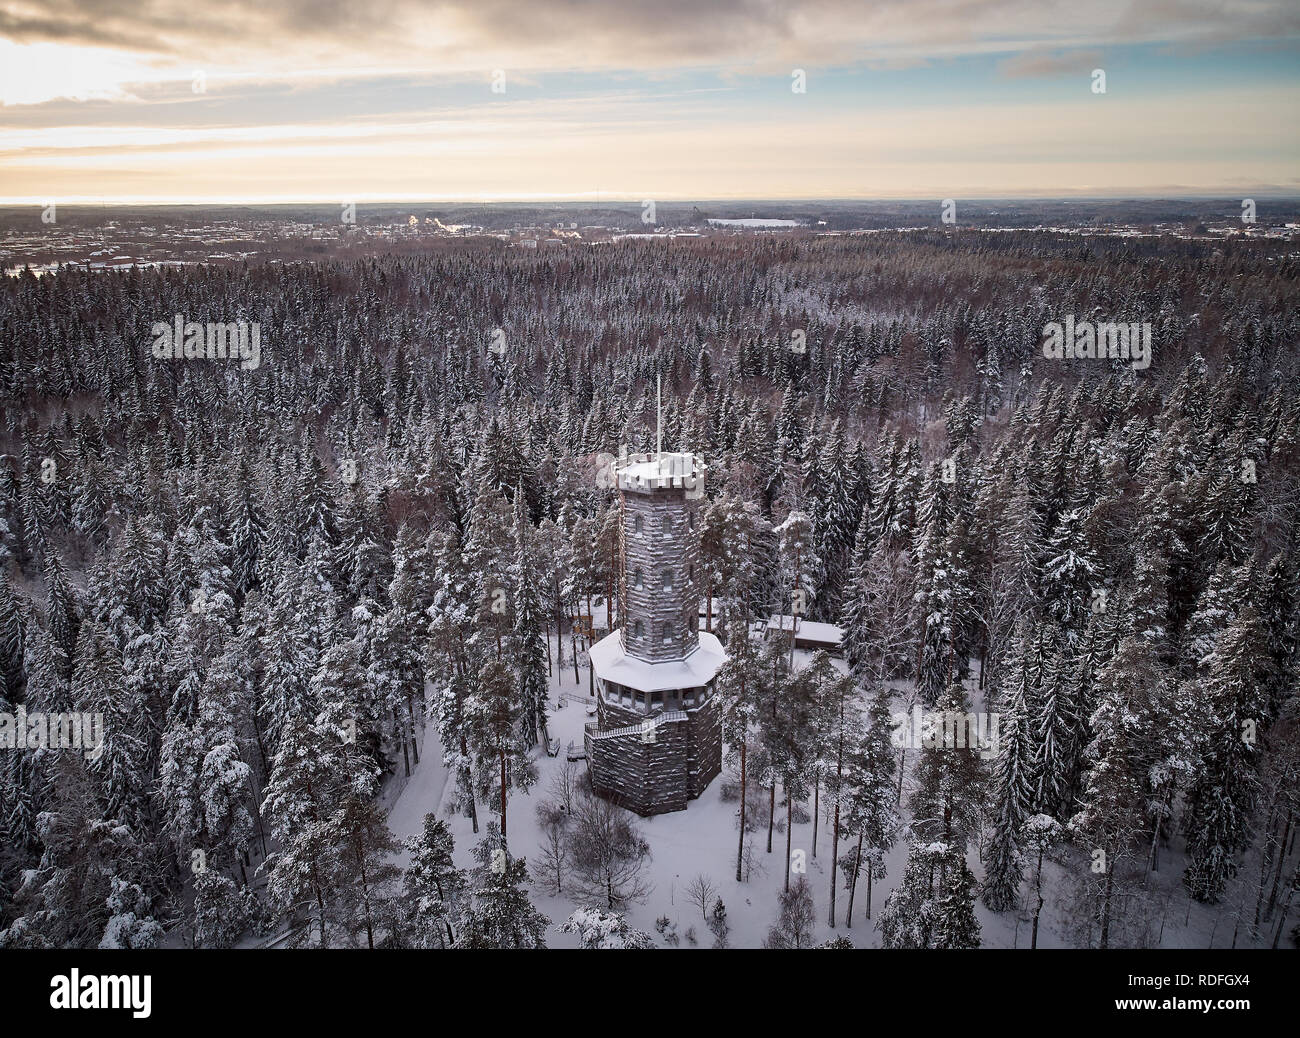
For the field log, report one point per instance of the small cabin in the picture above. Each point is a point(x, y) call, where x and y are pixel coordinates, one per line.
point(808, 634)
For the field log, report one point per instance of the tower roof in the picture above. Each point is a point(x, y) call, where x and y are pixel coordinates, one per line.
point(612, 663)
point(646, 473)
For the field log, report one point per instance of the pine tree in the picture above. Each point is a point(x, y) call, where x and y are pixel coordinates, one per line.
point(955, 925)
point(1069, 573)
point(395, 665)
point(1222, 798)
point(878, 643)
point(740, 690)
point(870, 815)
point(1012, 789)
point(220, 917)
point(835, 522)
point(950, 777)
point(451, 619)
point(1038, 835)
point(790, 742)
point(12, 641)
point(433, 886)
point(493, 716)
point(317, 765)
point(529, 633)
point(1055, 737)
point(365, 876)
point(856, 614)
point(909, 916)
point(1110, 815)
point(799, 564)
point(499, 914)
point(605, 930)
point(840, 724)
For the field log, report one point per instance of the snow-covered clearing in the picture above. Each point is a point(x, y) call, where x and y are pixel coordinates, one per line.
point(703, 839)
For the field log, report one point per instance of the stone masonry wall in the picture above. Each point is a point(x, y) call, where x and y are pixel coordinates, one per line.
point(653, 777)
point(646, 777)
point(703, 746)
point(656, 550)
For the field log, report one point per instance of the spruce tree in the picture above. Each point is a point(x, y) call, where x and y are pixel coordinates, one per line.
point(433, 886)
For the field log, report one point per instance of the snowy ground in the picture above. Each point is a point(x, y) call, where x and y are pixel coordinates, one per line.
point(703, 839)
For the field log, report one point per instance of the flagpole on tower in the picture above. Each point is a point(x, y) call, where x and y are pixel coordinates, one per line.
point(659, 419)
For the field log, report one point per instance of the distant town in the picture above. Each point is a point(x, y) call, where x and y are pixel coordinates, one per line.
point(43, 238)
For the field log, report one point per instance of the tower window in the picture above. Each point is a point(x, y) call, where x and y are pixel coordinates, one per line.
point(638, 629)
point(667, 580)
point(638, 524)
point(667, 635)
point(637, 581)
point(666, 524)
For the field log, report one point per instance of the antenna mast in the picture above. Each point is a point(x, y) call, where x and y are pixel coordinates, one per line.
point(659, 419)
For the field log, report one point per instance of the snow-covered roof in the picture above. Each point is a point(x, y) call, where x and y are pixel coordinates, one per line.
point(646, 472)
point(828, 634)
point(699, 668)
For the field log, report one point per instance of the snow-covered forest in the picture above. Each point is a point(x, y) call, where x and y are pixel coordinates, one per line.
point(294, 593)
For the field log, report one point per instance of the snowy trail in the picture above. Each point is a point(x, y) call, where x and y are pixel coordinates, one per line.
point(422, 793)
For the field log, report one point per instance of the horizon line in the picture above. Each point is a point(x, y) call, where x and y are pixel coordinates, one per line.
point(634, 199)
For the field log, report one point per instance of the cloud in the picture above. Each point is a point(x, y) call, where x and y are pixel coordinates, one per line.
point(456, 35)
point(1040, 64)
point(683, 97)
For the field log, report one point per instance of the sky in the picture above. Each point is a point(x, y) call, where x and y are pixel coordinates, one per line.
point(165, 101)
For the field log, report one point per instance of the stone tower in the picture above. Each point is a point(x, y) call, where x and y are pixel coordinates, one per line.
point(657, 739)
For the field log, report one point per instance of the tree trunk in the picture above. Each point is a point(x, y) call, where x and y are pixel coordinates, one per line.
point(740, 850)
point(320, 904)
point(445, 921)
point(789, 833)
point(573, 645)
point(1286, 907)
point(365, 899)
point(853, 884)
point(817, 800)
point(1281, 864)
point(1265, 867)
point(835, 850)
point(257, 812)
point(503, 797)
point(771, 814)
point(1038, 887)
point(401, 737)
point(415, 743)
point(835, 823)
point(469, 784)
point(1105, 910)
point(794, 617)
